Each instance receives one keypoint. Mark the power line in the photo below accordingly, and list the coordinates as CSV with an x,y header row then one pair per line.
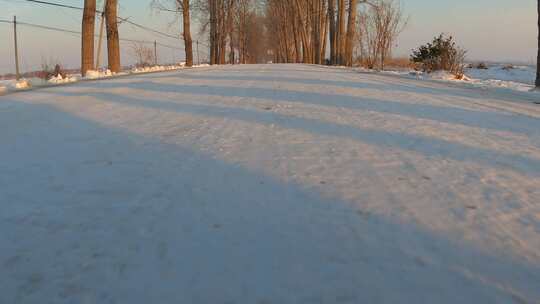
x,y
148,29
51,28
100,12
55,4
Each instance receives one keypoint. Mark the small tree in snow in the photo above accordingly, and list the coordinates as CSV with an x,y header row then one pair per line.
x,y
144,54
378,29
441,54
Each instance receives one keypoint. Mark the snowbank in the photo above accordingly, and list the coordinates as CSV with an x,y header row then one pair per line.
x,y
495,83
59,79
9,85
504,72
22,84
157,68
12,85
92,74
517,78
485,83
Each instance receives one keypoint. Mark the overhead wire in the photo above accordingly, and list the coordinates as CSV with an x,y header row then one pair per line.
x,y
57,29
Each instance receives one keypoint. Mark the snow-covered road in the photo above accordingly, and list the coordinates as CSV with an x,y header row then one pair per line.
x,y
269,184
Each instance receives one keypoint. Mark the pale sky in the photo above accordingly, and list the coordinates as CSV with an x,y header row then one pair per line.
x,y
492,30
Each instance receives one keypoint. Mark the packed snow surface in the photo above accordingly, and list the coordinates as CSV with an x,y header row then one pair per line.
x,y
269,184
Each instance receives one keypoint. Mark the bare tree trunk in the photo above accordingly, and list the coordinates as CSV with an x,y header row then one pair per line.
x,y
315,32
538,59
332,20
323,36
188,42
113,42
351,30
87,42
230,30
213,31
341,32
222,32
297,45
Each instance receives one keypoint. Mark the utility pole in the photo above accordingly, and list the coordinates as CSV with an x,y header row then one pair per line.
x,y
102,22
198,59
155,52
16,48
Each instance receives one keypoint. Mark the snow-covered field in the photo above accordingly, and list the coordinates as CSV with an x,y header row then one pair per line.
x,y
518,77
269,184
496,76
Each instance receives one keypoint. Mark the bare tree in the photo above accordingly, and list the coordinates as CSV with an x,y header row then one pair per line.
x,y
113,40
188,42
299,30
390,23
341,32
332,30
213,7
351,32
290,30
145,55
87,42
379,28
181,7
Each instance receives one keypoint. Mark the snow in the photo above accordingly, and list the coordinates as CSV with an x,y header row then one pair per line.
x,y
22,84
519,78
158,68
447,76
8,85
505,72
497,76
269,184
59,79
95,74
11,85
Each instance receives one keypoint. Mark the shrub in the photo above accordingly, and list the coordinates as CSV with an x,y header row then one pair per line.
x,y
50,70
441,54
482,66
143,54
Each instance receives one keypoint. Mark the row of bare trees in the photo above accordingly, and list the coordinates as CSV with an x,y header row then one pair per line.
x,y
183,9
235,30
252,31
113,43
305,29
378,29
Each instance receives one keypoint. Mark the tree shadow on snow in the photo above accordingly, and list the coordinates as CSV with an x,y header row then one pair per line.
x,y
427,146
380,82
479,119
94,214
